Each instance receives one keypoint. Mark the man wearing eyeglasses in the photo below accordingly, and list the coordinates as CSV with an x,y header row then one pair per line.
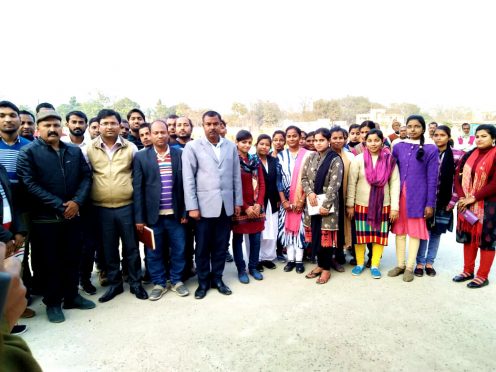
x,y
111,158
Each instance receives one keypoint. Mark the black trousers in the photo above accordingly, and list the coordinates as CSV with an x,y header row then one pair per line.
x,y
212,237
91,242
189,249
324,257
57,248
115,224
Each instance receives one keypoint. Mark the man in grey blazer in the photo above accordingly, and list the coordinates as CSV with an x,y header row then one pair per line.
x,y
212,194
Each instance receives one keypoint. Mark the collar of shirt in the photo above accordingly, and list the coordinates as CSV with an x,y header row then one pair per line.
x,y
167,152
118,143
15,142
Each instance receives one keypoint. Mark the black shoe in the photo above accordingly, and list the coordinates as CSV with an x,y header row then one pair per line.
x,y
87,287
300,269
55,314
477,283
139,292
289,266
229,257
79,302
430,271
419,271
268,264
111,293
337,266
260,266
221,287
201,292
353,262
463,278
19,329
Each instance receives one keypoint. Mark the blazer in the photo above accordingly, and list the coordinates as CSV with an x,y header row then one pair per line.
x,y
148,186
210,183
17,225
270,178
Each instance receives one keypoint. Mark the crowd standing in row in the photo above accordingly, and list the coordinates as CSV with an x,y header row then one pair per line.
x,y
70,201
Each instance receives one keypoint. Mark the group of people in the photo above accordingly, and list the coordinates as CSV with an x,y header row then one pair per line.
x,y
73,201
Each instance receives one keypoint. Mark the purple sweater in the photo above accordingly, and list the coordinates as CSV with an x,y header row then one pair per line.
x,y
420,176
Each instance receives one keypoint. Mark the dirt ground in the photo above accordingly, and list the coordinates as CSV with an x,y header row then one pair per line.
x,y
285,322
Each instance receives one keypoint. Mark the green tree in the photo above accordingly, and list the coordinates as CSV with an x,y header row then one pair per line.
x,y
325,109
160,111
351,106
65,108
124,105
93,106
405,109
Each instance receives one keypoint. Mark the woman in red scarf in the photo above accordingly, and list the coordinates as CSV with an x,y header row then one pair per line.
x,y
373,199
475,184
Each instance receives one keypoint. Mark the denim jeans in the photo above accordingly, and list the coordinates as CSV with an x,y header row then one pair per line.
x,y
428,249
176,239
254,251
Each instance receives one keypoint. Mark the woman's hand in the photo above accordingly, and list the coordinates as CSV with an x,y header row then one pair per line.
x,y
350,212
312,198
463,203
323,211
250,212
287,206
393,216
428,212
256,210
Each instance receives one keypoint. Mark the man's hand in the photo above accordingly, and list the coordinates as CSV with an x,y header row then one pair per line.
x,y
195,214
19,240
15,303
71,209
237,210
184,221
140,227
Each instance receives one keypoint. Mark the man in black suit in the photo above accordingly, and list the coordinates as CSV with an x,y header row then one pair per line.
x,y
159,203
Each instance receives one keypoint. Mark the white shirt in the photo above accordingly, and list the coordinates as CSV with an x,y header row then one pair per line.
x,y
83,145
118,144
216,147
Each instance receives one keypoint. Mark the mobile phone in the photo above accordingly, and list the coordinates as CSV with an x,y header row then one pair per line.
x,y
4,289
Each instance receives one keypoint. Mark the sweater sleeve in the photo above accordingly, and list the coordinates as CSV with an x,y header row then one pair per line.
x,y
352,181
335,180
305,181
432,177
394,189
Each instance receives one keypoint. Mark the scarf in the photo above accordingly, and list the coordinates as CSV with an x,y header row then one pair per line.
x,y
251,167
293,219
472,184
377,178
318,188
446,173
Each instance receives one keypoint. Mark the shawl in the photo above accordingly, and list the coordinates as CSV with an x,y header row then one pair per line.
x,y
293,219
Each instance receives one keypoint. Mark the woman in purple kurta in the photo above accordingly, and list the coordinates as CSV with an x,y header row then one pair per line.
x,y
419,167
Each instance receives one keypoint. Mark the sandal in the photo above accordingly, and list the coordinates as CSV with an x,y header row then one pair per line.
x,y
314,273
324,277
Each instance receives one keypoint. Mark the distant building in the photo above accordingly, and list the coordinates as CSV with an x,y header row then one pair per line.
x,y
382,117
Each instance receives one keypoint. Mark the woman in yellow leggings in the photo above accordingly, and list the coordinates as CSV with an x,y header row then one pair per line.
x,y
373,199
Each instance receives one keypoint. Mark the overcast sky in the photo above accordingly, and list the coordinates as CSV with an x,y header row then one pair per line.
x,y
211,53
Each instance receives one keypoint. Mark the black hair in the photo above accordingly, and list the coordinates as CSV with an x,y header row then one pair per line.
x,y
338,129
243,135
420,119
26,112
466,124
310,134
211,114
433,122
93,120
10,105
105,113
294,127
306,134
222,122
172,116
44,105
281,132
377,132
324,132
367,123
135,110
80,114
447,130
489,128
353,126
262,137
189,120
144,125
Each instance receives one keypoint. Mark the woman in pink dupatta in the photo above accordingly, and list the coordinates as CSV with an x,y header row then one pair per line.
x,y
291,231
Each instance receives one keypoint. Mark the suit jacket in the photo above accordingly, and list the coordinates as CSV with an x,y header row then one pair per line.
x,y
210,183
148,186
270,178
17,225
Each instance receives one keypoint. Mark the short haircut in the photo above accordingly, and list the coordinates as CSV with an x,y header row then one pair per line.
x,y
243,135
189,120
26,112
465,124
79,114
211,114
160,121
262,137
10,105
433,122
105,113
223,122
44,105
354,126
281,132
144,125
135,110
93,120
172,116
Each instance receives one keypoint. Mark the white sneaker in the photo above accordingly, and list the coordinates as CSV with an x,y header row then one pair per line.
x,y
157,292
